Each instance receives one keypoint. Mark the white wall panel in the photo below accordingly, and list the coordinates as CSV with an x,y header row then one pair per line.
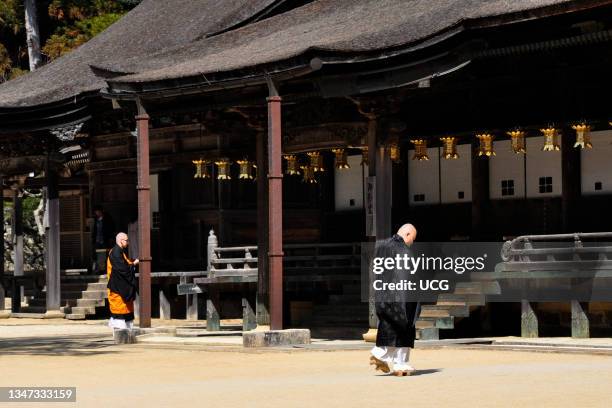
x,y
349,185
456,176
542,164
506,165
424,178
596,164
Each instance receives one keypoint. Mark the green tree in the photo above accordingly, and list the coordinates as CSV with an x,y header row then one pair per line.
x,y
63,26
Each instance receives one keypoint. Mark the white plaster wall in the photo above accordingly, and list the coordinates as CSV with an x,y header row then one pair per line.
x,y
542,164
349,185
456,176
596,164
506,165
424,177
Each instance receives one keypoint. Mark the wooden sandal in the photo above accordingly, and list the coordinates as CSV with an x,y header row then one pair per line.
x,y
379,364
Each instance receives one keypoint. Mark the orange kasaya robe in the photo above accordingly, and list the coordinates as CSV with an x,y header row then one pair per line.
x,y
121,284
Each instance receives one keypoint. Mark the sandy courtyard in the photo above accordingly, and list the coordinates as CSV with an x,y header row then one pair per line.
x,y
136,376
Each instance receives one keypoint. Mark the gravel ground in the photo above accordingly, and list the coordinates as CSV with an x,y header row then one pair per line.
x,y
141,376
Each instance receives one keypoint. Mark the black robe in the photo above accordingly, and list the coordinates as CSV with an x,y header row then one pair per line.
x,y
123,277
396,315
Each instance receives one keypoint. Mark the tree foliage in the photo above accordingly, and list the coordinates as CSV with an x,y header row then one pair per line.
x,y
64,25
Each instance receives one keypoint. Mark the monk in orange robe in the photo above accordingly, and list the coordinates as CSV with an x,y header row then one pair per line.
x,y
122,284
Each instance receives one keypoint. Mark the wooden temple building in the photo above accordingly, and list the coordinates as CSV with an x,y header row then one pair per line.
x,y
296,124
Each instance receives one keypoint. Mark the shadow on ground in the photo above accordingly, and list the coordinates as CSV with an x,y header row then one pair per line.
x,y
86,345
417,372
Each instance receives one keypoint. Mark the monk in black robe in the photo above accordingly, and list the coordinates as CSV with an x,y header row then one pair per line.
x,y
396,313
122,284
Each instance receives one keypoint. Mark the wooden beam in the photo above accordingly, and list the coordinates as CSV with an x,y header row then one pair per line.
x,y
275,211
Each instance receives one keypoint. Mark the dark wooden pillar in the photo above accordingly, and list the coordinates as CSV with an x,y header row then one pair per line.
x,y
263,281
384,182
327,196
378,210
275,211
399,190
480,196
370,205
144,219
571,183
52,244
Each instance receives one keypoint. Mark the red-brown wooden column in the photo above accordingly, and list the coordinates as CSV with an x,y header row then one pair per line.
x,y
144,220
275,211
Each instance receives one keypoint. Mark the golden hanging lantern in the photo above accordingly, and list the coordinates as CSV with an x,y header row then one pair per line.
x,y
485,147
223,169
316,161
309,175
551,139
395,152
365,158
341,159
246,169
201,169
583,136
420,149
449,147
293,168
518,141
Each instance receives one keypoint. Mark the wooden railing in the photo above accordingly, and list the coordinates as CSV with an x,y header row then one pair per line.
x,y
571,247
313,261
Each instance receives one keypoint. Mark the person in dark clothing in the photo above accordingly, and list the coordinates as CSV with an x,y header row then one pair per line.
x,y
122,284
103,231
396,314
102,236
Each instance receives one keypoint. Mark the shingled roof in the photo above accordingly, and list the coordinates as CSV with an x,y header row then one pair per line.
x,y
152,26
345,27
166,40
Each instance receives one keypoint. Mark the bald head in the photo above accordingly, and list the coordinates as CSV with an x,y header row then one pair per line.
x,y
122,239
408,233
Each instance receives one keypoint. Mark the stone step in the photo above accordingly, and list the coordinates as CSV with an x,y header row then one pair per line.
x,y
457,303
444,311
94,294
84,310
435,322
430,333
97,286
90,302
26,315
470,300
428,311
76,316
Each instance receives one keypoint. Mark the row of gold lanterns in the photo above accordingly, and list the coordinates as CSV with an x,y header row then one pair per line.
x,y
247,169
517,137
313,164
